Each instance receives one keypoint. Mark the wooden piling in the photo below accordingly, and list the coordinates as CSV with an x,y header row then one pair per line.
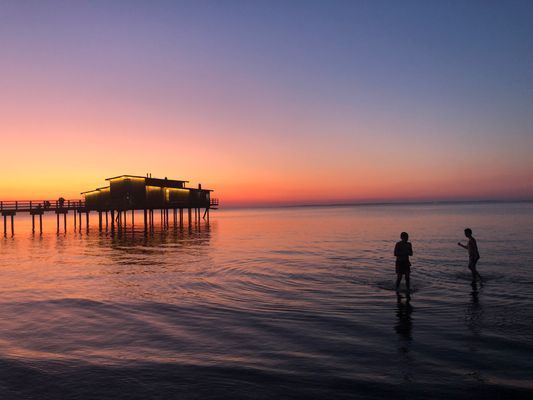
x,y
145,212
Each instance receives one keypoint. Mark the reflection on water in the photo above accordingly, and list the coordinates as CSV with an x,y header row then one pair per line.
x,y
474,315
404,324
279,303
404,327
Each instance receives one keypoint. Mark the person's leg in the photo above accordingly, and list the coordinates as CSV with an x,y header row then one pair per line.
x,y
408,282
398,280
472,268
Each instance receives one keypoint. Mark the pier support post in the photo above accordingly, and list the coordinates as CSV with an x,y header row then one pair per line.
x,y
74,220
33,223
132,218
65,221
41,224
145,212
106,221
12,224
190,216
112,220
100,221
181,216
57,217
87,220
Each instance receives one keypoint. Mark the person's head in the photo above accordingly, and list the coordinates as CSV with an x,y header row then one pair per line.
x,y
468,232
404,236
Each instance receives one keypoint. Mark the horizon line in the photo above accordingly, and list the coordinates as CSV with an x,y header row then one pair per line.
x,y
378,203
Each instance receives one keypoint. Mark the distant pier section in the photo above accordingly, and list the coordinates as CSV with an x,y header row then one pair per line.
x,y
116,204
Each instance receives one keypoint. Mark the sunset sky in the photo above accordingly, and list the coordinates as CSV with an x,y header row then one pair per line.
x,y
269,102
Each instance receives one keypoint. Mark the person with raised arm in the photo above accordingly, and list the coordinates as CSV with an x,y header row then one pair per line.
x,y
473,253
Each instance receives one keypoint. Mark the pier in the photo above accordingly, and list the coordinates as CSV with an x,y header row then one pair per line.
x,y
116,204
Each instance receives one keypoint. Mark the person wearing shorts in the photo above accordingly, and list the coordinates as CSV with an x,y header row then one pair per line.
x,y
402,251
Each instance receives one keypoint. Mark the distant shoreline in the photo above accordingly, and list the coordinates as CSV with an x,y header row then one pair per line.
x,y
366,204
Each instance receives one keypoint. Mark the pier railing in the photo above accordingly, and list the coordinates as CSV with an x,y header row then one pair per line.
x,y
45,205
53,205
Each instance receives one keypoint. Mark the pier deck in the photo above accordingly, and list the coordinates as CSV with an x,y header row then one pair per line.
x,y
116,216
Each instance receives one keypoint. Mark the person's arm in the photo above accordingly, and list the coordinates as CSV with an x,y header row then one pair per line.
x,y
462,245
410,249
396,250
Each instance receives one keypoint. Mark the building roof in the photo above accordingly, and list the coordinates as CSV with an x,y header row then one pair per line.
x,y
95,190
198,189
145,177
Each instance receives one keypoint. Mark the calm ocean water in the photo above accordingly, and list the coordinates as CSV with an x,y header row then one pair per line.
x,y
271,304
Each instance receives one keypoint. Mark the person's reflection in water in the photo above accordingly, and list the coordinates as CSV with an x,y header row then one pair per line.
x,y
404,324
474,314
403,328
475,294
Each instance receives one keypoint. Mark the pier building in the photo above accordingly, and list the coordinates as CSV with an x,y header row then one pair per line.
x,y
124,195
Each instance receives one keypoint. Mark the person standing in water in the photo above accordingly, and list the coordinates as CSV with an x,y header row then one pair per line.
x,y
402,251
473,253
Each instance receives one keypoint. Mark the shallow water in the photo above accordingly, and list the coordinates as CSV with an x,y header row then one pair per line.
x,y
271,303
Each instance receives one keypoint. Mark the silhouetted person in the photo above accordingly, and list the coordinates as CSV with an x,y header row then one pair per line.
x,y
473,253
402,251
61,202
